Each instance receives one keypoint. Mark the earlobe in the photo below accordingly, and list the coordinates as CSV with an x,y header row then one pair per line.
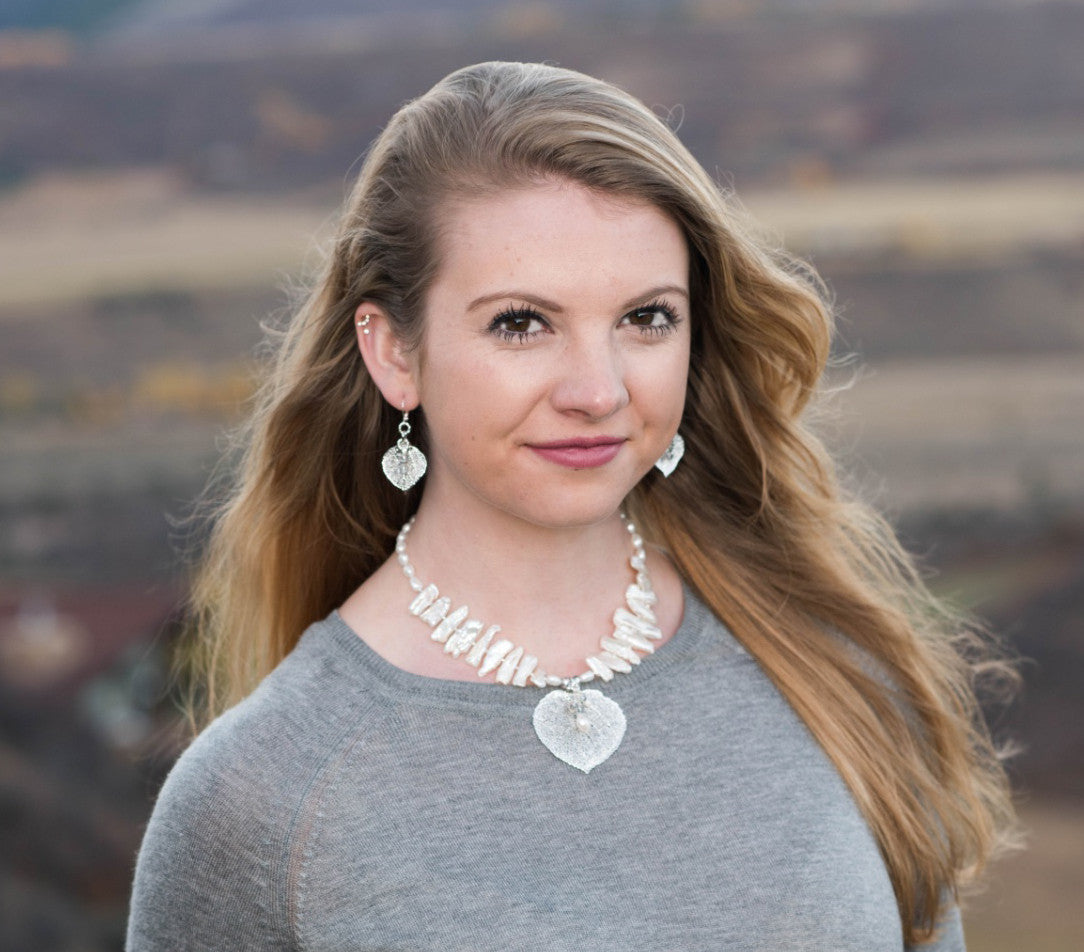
x,y
386,358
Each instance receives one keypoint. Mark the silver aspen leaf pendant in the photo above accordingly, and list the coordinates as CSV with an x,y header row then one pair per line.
x,y
582,728
667,463
404,464
404,467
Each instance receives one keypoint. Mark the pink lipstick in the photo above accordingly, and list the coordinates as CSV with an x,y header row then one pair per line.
x,y
582,453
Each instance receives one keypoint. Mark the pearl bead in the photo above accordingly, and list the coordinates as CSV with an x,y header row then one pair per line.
x,y
596,669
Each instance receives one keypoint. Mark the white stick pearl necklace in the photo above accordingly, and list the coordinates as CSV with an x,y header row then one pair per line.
x,y
582,728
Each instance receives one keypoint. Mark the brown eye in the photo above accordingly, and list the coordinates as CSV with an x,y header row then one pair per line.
x,y
644,317
654,318
518,323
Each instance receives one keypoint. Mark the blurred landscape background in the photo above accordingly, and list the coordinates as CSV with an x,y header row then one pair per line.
x,y
168,171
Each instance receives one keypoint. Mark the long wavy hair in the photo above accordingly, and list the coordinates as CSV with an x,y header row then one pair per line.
x,y
811,581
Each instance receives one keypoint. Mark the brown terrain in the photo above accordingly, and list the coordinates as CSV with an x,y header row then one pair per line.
x,y
167,184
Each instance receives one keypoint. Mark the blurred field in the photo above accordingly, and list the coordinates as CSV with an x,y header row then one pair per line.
x,y
1000,432
1031,902
939,218
69,236
66,237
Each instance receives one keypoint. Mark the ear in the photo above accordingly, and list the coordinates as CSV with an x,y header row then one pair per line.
x,y
392,367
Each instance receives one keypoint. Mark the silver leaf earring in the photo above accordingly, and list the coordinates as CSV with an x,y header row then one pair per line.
x,y
667,463
404,464
364,323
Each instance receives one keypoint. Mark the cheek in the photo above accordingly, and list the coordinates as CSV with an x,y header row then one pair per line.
x,y
478,375
662,385
473,401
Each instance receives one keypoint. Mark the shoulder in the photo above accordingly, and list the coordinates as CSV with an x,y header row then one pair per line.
x,y
214,866
278,734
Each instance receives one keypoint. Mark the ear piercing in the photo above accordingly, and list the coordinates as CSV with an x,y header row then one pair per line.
x,y
364,323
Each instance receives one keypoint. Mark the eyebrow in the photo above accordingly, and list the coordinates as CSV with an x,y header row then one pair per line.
x,y
554,307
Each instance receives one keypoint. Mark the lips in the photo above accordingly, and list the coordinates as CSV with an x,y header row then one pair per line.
x,y
581,453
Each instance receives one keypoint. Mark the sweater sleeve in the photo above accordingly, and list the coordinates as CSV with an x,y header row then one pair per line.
x,y
207,874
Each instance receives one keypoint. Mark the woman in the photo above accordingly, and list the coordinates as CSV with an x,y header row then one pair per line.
x,y
541,339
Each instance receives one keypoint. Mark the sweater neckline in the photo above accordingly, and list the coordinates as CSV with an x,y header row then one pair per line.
x,y
395,682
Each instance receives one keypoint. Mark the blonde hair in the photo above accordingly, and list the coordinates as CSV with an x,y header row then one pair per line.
x,y
813,583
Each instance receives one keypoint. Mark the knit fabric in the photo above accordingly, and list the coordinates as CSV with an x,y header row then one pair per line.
x,y
349,805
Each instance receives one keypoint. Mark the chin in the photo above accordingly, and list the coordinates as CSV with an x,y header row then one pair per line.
x,y
571,510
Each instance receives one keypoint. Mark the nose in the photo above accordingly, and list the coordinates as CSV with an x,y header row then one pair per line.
x,y
590,379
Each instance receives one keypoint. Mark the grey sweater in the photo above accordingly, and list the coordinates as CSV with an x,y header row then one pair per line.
x,y
347,804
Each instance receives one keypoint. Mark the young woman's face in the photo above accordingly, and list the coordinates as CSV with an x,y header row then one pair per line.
x,y
556,352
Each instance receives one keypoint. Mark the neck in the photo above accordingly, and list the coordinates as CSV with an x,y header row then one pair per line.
x,y
552,589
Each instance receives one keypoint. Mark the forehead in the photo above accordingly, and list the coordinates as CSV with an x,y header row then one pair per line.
x,y
561,237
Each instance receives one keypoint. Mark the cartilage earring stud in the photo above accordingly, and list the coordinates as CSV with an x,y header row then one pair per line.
x,y
667,463
404,464
364,323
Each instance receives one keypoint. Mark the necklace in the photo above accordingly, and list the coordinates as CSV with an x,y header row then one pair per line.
x,y
580,727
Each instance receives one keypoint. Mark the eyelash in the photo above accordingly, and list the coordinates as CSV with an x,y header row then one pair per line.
x,y
521,312
672,319
513,313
